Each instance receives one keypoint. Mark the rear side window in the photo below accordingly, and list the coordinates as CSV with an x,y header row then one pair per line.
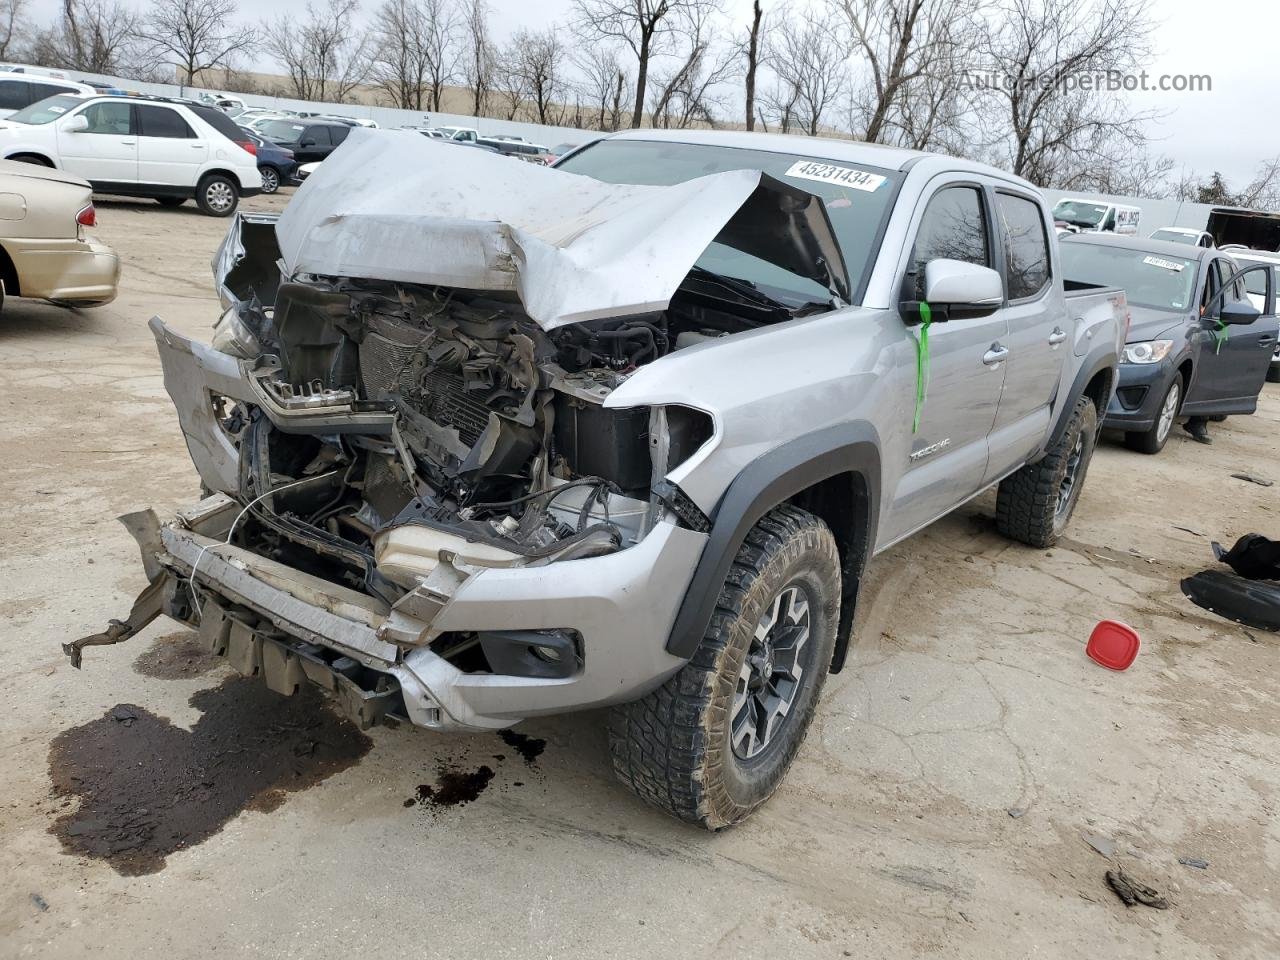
x,y
218,120
1026,246
15,94
954,227
41,90
339,133
319,135
162,122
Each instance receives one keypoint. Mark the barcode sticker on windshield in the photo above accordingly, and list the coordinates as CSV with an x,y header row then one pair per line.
x,y
829,173
1162,262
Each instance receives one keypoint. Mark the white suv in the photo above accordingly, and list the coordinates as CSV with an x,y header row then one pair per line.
x,y
18,90
138,146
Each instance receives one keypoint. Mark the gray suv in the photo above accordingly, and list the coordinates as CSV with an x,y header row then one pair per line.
x,y
497,441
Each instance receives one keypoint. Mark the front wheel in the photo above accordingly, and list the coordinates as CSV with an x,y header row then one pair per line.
x,y
1034,504
713,743
1153,439
270,179
217,195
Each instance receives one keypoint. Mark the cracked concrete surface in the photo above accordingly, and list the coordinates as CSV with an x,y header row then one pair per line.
x,y
967,695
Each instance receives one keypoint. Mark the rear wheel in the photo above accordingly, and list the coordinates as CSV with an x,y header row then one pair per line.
x,y
713,743
217,195
1034,505
1154,439
270,179
171,201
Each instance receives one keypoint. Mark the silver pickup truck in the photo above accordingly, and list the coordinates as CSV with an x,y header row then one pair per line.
x,y
482,441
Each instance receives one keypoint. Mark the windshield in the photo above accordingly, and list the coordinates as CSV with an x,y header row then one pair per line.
x,y
1148,279
1080,214
281,129
1175,236
856,212
46,110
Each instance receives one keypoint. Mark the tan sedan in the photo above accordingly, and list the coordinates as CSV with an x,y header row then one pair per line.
x,y
44,250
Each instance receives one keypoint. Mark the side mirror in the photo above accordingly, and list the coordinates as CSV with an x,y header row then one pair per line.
x,y
77,124
955,288
1239,312
307,143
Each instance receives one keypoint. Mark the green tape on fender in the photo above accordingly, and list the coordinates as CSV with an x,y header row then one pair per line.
x,y
922,362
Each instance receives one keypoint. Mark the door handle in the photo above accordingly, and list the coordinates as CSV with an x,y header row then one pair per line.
x,y
127,143
995,355
1266,341
1057,336
197,146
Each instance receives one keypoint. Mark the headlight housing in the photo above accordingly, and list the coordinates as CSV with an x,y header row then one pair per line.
x,y
1149,351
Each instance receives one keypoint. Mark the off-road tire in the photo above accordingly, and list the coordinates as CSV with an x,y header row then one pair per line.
x,y
672,747
171,201
1028,508
211,193
1150,441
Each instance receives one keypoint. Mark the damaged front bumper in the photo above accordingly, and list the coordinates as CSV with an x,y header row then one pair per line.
x,y
289,627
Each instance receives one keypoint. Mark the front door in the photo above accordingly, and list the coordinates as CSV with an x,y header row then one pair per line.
x,y
107,151
1234,358
169,152
966,369
314,144
1035,313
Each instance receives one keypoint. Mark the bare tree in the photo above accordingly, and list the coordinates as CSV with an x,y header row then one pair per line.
x,y
753,62
325,56
399,64
13,25
509,89
643,26
194,35
95,36
1038,54
806,60
601,83
1263,191
538,59
685,92
479,56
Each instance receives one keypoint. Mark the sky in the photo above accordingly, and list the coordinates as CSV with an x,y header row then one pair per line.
x,y
1232,41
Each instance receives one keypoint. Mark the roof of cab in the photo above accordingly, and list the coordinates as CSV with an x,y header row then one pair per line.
x,y
1166,248
825,148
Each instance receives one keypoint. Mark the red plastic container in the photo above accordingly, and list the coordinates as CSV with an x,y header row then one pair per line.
x,y
1113,644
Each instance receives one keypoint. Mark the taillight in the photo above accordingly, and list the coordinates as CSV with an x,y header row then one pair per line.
x,y
249,145
87,217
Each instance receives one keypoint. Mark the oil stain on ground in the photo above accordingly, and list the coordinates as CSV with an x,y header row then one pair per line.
x,y
178,656
147,788
456,786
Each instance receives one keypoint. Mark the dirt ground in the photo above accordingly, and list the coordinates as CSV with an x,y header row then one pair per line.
x,y
938,807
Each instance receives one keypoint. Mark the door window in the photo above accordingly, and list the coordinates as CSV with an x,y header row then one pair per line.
x,y
41,90
339,134
14,95
954,227
162,122
111,117
1026,246
319,135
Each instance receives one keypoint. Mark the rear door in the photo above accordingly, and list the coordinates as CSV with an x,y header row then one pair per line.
x,y
107,151
1035,314
948,458
169,152
314,144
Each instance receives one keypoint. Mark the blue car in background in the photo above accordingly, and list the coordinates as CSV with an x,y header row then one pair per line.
x,y
276,164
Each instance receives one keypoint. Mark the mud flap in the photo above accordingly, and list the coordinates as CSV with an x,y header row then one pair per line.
x,y
146,608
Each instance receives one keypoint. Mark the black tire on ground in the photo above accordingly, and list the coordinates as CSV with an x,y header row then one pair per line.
x,y
1273,373
217,195
1153,440
270,179
171,201
690,747
1034,505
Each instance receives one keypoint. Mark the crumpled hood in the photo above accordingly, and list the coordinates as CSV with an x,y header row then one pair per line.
x,y
391,205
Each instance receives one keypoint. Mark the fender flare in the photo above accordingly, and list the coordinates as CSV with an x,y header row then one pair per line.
x,y
763,484
1101,359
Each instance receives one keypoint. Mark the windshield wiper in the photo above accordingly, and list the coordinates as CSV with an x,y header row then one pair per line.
x,y
749,291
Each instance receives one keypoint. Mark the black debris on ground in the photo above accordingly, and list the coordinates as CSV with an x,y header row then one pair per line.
x,y
1253,556
177,656
453,787
1198,863
530,748
148,788
41,903
1133,891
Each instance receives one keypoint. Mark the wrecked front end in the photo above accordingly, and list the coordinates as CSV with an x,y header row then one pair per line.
x,y
418,495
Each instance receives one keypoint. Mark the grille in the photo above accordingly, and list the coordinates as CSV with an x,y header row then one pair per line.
x,y
449,403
